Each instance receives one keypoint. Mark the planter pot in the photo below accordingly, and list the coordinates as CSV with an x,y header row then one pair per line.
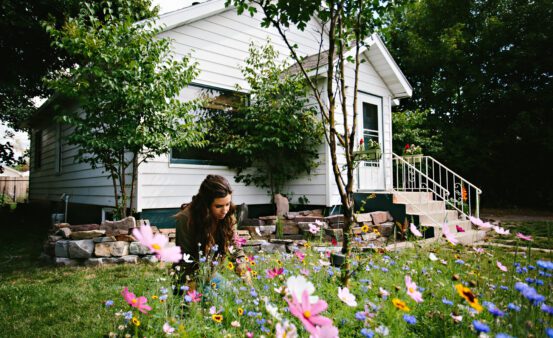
x,y
337,259
411,159
367,155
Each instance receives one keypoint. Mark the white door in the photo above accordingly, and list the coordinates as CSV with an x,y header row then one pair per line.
x,y
370,174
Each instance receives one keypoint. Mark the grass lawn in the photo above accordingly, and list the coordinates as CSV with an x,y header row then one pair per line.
x,y
43,301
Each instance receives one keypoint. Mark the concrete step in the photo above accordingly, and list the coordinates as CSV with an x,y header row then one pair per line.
x,y
443,216
425,207
408,197
451,225
470,237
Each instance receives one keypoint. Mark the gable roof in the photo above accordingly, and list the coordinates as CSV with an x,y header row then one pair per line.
x,y
379,57
191,13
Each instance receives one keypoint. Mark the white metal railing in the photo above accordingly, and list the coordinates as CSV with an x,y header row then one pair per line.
x,y
424,173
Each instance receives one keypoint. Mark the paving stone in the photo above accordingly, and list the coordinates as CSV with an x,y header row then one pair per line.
x,y
66,261
81,249
62,249
135,248
89,234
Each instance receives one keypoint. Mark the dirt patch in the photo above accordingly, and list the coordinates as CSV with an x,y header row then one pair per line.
x,y
517,215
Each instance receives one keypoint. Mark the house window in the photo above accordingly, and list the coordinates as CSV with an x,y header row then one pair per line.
x,y
213,100
370,122
38,149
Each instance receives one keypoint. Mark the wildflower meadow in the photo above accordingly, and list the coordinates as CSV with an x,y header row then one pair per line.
x,y
438,290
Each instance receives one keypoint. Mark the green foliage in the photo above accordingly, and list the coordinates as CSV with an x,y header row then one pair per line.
x,y
125,83
274,136
484,70
411,127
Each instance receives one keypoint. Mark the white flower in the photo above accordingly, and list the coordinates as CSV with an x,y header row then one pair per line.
x,y
324,262
346,297
456,319
383,292
500,230
432,257
382,330
296,285
286,330
235,323
414,230
186,258
168,328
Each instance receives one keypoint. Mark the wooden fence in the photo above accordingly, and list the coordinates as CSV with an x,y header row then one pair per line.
x,y
16,188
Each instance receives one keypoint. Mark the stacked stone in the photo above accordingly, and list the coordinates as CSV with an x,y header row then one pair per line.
x,y
94,244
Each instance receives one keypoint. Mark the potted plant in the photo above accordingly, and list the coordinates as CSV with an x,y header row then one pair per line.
x,y
337,259
412,153
367,152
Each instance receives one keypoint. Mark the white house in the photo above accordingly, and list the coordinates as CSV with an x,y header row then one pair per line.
x,y
218,39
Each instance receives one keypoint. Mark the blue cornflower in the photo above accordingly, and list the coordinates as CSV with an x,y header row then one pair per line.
x,y
503,287
361,315
520,286
243,288
531,267
264,329
405,268
253,293
503,335
392,262
367,268
529,280
127,315
547,265
108,303
184,287
215,248
495,311
215,263
163,290
513,307
265,287
317,268
368,281
252,313
163,297
539,282
367,333
446,301
547,309
187,298
260,321
410,319
480,327
532,295
384,269
330,272
549,332
460,261
238,301
202,259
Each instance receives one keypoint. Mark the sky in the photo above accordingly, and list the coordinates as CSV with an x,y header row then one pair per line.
x,y
171,5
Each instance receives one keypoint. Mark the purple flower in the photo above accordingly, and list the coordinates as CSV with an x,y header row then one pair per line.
x,y
410,319
361,315
446,301
480,327
367,333
549,332
108,303
460,261
503,287
547,265
513,307
547,309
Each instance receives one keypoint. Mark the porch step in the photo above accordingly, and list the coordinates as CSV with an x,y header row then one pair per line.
x,y
408,197
451,225
425,207
435,217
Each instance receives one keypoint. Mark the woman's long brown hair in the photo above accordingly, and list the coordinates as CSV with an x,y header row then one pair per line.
x,y
201,222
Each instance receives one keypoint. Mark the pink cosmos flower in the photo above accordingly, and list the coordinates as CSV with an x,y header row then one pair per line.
x,y
300,255
313,228
449,235
328,331
308,313
524,237
239,241
412,289
157,244
347,297
501,231
168,328
479,223
286,330
479,250
459,229
305,272
194,295
415,231
272,273
132,300
501,266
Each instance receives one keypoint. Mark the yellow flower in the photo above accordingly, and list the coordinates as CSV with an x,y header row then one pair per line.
x,y
240,311
468,296
254,273
279,262
398,303
376,232
247,259
365,228
230,266
307,245
214,285
252,263
154,297
135,321
217,318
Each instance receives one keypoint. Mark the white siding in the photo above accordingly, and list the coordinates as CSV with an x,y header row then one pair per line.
x,y
83,184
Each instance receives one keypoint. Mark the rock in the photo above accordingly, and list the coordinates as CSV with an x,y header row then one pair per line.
x,y
293,237
379,217
356,230
309,219
359,218
61,225
135,248
371,236
335,221
254,232
46,259
143,222
282,205
251,222
290,230
123,226
243,234
66,261
119,248
386,229
102,249
268,218
291,214
267,229
150,259
76,235
84,227
254,242
93,262
168,232
335,233
63,232
53,238
273,247
104,239
133,259
125,238
81,249
62,249
281,241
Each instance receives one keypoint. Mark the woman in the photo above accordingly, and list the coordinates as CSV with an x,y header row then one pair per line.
x,y
206,227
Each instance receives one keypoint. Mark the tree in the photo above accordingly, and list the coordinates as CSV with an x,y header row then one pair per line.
x,y
411,127
347,24
273,136
485,71
28,54
125,83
